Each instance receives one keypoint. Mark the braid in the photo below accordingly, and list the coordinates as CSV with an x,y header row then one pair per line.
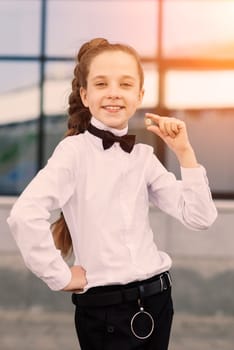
x,y
61,236
79,115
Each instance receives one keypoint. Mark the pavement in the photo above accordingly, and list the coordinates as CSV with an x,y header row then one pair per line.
x,y
34,318
36,330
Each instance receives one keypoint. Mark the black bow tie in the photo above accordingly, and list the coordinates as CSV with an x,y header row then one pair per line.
x,y
108,138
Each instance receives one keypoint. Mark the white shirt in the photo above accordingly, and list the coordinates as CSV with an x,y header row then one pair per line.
x,y
104,195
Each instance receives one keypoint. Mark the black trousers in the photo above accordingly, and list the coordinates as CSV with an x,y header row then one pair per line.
x,y
109,327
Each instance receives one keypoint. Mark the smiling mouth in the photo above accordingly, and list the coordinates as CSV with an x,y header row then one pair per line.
x,y
113,108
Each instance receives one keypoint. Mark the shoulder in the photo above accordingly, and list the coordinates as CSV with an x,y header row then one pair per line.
x,y
70,145
71,142
143,155
68,150
143,150
146,156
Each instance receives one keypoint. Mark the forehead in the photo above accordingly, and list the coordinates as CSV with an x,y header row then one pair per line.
x,y
114,63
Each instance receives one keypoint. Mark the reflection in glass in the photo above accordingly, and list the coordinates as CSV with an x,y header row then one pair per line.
x,y
198,28
70,23
56,91
211,134
57,87
20,27
18,156
199,89
19,92
150,99
19,110
16,75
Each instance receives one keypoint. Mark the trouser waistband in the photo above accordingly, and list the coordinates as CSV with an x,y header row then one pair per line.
x,y
100,296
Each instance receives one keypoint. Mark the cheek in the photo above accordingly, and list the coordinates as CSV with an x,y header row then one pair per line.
x,y
136,100
91,100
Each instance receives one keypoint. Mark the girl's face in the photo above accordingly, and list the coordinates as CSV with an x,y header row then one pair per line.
x,y
113,90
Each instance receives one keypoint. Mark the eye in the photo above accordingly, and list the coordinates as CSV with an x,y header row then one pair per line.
x,y
126,85
100,84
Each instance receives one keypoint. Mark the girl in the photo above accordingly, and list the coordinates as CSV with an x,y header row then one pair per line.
x,y
103,184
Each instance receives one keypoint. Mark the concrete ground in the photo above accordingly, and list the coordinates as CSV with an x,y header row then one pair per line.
x,y
34,318
36,330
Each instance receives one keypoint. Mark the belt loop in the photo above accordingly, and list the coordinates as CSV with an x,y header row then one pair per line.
x,y
169,278
161,282
141,290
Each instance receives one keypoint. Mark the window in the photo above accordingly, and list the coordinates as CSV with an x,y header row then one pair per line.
x,y
187,53
19,112
58,77
193,28
20,27
211,134
199,89
70,23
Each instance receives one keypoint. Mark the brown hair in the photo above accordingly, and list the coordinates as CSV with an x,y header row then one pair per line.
x,y
79,115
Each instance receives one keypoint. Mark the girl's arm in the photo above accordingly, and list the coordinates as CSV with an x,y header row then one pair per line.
x,y
188,200
29,219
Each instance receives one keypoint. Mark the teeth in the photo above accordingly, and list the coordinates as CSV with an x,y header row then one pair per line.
x,y
113,108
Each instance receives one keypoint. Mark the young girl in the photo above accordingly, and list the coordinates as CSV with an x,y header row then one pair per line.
x,y
103,184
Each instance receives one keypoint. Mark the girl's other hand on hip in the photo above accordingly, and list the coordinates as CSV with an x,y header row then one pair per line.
x,y
78,280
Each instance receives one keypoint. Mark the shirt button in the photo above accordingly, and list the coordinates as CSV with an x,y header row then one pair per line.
x,y
110,329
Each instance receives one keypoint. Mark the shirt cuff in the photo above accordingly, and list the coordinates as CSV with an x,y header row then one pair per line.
x,y
194,175
59,282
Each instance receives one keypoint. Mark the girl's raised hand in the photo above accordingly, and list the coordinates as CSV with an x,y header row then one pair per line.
x,y
78,280
171,130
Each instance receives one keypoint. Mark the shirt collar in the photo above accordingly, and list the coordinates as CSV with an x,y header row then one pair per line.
x,y
102,126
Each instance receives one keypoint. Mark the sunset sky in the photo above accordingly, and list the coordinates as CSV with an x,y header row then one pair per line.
x,y
191,28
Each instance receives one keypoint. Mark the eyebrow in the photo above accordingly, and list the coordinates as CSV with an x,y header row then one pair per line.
x,y
104,77
128,77
99,77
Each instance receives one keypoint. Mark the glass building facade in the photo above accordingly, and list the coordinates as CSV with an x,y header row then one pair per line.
x,y
187,51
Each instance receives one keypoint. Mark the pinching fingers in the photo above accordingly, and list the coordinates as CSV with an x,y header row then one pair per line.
x,y
151,119
163,126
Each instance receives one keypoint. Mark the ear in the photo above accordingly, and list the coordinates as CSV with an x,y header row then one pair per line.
x,y
140,98
83,95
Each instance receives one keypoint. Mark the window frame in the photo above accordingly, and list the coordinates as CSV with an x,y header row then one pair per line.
x,y
162,64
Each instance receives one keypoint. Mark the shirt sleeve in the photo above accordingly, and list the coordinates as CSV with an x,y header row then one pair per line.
x,y
29,218
189,200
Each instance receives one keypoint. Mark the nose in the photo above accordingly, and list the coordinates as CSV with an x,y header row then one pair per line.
x,y
113,97
113,93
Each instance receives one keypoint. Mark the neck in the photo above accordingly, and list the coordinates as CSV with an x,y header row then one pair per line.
x,y
98,124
